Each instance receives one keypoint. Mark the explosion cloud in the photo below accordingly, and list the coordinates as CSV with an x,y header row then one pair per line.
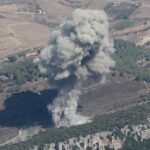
x,y
80,48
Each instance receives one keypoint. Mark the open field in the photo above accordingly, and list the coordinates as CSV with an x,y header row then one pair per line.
x,y
8,8
28,24
65,7
17,36
111,96
7,133
143,11
31,34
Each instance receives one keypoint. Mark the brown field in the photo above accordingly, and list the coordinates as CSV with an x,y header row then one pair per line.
x,y
8,8
20,29
58,10
17,36
31,34
111,96
142,12
18,32
7,134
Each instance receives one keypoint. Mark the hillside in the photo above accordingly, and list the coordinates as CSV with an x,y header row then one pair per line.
x,y
25,27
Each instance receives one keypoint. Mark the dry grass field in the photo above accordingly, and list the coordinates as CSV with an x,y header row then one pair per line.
x,y
58,10
17,36
26,24
142,12
115,95
8,8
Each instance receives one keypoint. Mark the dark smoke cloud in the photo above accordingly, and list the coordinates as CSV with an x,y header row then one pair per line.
x,y
79,49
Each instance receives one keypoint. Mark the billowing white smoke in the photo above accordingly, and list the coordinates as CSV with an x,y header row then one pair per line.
x,y
78,49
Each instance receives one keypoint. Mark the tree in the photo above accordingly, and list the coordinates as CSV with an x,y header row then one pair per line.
x,y
89,148
75,147
12,58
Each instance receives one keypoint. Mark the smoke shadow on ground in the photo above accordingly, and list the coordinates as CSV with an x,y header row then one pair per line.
x,y
28,108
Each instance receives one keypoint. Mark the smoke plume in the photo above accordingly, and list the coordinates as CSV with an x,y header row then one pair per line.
x,y
79,49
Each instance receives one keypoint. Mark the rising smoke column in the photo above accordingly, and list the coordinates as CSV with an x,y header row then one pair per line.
x,y
79,49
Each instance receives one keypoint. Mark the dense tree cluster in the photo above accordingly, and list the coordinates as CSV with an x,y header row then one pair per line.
x,y
126,58
124,24
20,73
122,10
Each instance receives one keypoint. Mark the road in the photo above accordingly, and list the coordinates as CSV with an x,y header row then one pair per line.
x,y
13,139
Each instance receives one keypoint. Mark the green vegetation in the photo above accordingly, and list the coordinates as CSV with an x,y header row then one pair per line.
x,y
126,56
131,144
126,23
89,148
12,58
73,4
108,122
19,73
122,10
75,147
48,23
125,14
